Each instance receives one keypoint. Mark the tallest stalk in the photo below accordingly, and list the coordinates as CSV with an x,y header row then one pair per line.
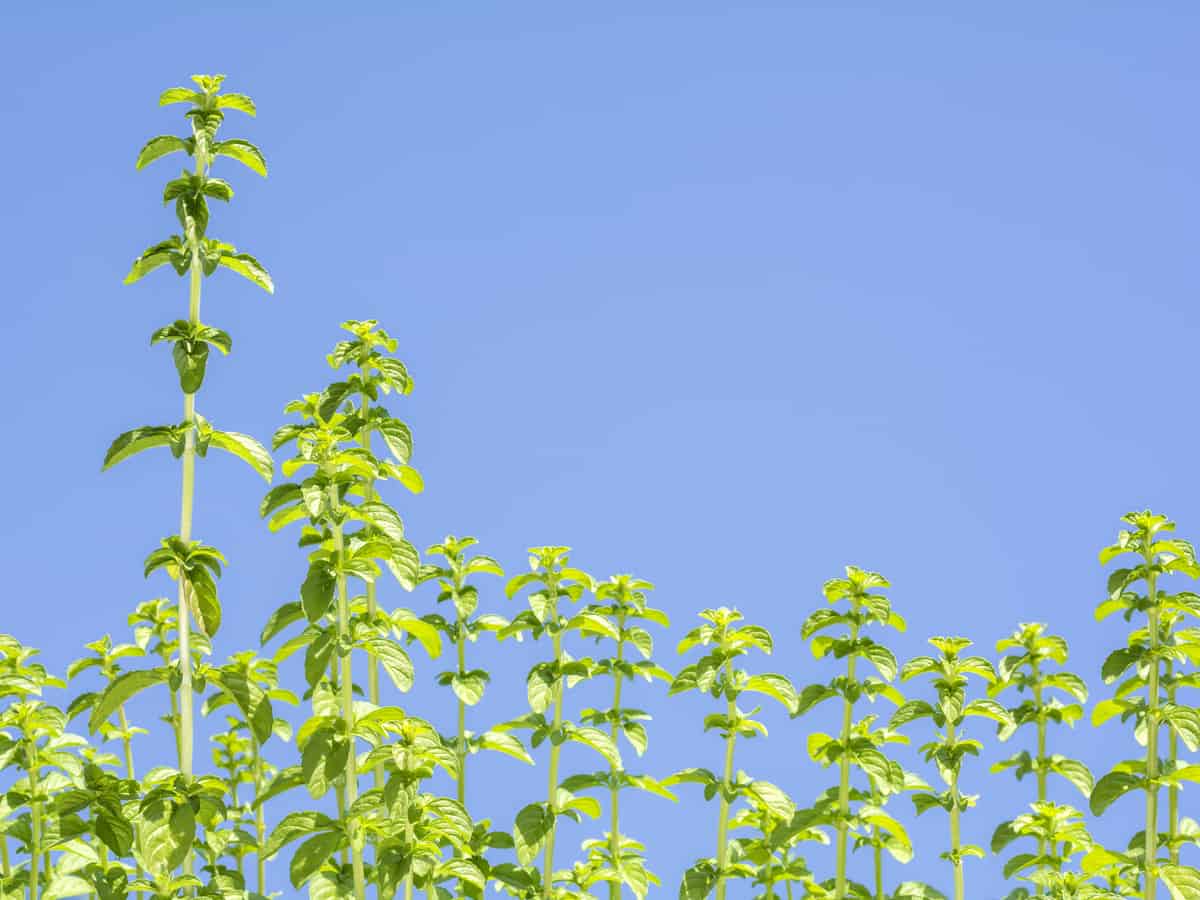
x,y
186,714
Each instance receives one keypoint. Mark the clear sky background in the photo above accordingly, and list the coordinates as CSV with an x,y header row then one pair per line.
x,y
724,295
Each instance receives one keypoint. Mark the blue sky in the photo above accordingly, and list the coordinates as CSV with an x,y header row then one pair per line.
x,y
725,295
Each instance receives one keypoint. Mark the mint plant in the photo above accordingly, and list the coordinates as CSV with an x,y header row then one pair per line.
x,y
715,674
195,254
949,749
1146,695
550,581
1028,668
856,747
621,600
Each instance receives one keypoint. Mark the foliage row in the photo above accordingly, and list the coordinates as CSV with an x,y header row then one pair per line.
x,y
366,815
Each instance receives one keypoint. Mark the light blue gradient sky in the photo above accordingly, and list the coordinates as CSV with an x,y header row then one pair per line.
x,y
726,295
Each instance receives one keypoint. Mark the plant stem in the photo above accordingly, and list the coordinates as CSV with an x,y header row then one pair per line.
x,y
726,785
364,438
5,863
1173,789
614,837
843,823
260,822
35,821
552,801
461,745
1150,863
955,812
876,834
1041,753
347,679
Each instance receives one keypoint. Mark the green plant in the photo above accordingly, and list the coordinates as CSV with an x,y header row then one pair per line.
x,y
621,601
857,746
715,674
1148,694
552,580
195,254
1026,668
948,750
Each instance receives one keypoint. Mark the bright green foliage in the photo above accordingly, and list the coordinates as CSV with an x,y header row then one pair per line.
x,y
1147,665
1027,667
550,581
715,674
853,810
947,751
338,493
1060,834
621,601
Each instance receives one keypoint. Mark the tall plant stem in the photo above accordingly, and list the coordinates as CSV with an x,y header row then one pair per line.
x,y
130,772
187,496
461,745
1150,863
5,863
1041,754
875,836
347,686
364,438
955,833
843,823
726,786
260,822
614,836
552,801
1173,789
35,822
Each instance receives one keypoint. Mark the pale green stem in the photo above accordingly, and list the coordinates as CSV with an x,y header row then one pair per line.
x,y
5,862
130,772
1173,789
1150,863
548,875
260,821
876,844
364,438
726,786
614,837
955,833
1041,753
461,745
35,822
411,795
843,821
347,679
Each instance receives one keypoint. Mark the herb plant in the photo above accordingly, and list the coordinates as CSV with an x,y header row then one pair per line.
x,y
388,794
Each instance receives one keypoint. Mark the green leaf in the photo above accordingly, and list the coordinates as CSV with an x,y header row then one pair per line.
x,y
249,268
777,687
293,826
246,449
242,151
137,440
1182,881
1112,786
313,854
698,881
158,147
121,690
316,593
502,742
394,660
598,741
532,825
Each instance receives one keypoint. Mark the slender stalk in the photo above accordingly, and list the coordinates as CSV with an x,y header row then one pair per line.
x,y
614,837
175,728
955,833
260,822
548,875
726,786
878,866
347,679
1041,753
461,745
127,743
411,793
5,863
1173,789
843,824
1150,863
364,438
35,822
